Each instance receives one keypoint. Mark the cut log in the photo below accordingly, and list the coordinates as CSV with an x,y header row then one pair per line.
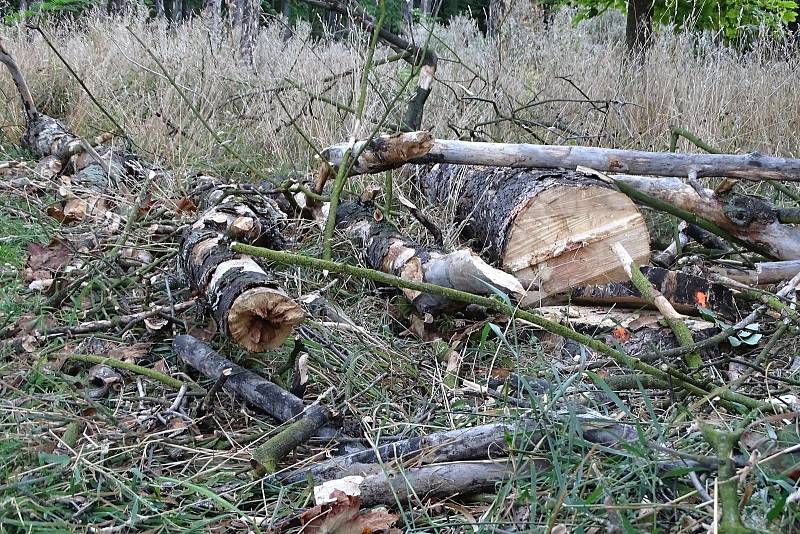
x,y
387,250
258,391
245,300
750,218
753,166
685,292
551,229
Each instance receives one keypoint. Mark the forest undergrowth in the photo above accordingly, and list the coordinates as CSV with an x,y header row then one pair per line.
x,y
109,452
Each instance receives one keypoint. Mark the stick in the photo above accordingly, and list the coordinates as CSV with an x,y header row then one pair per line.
x,y
752,166
127,366
654,297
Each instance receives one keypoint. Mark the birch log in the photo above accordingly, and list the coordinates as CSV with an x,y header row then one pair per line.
x,y
752,166
388,250
245,300
551,229
747,217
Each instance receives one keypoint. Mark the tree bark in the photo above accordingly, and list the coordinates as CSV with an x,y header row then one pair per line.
x,y
260,392
250,17
388,250
769,272
685,292
247,304
753,166
497,11
639,25
749,218
159,5
477,443
551,229
213,12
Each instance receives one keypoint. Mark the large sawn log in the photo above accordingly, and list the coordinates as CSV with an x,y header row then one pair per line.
x,y
551,229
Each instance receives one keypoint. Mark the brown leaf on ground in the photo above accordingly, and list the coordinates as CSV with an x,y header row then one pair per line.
x,y
205,332
130,353
44,262
185,205
346,517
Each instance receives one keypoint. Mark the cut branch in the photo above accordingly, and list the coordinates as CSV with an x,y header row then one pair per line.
x,y
752,166
389,251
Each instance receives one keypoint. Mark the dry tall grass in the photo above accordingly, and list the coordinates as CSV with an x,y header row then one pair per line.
x,y
532,83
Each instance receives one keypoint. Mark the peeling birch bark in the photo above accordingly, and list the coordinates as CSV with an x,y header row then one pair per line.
x,y
768,272
247,303
551,229
752,166
387,250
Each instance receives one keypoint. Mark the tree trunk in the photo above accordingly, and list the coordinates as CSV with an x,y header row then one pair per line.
x,y
159,4
497,11
177,10
213,12
753,166
250,17
389,251
247,304
551,229
639,25
425,7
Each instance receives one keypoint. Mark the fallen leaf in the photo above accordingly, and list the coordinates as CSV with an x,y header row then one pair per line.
x,y
130,353
185,205
620,334
345,517
44,262
205,332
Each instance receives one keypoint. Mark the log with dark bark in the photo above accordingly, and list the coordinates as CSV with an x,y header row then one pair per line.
x,y
388,250
551,229
247,303
247,385
753,166
685,292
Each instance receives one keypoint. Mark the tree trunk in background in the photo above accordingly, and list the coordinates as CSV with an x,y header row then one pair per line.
x,y
177,10
160,9
639,27
497,11
406,6
213,12
425,6
235,8
250,17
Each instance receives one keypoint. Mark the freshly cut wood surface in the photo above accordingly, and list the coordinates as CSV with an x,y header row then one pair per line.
x,y
551,229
